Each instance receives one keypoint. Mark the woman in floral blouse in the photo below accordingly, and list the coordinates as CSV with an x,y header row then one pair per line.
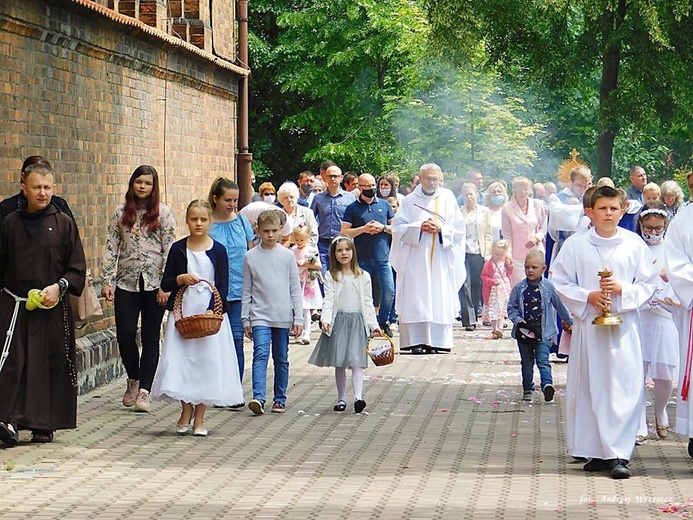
x,y
139,235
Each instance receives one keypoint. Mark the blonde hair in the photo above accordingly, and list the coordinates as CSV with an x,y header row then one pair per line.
x,y
301,229
672,188
605,181
522,180
490,188
503,245
199,204
581,171
652,187
272,217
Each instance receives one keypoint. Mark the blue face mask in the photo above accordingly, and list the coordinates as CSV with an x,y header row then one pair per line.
x,y
498,200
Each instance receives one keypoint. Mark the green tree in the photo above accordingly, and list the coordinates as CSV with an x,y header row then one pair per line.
x,y
352,62
630,54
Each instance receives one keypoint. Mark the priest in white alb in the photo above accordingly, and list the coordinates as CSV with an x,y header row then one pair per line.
x,y
679,252
428,235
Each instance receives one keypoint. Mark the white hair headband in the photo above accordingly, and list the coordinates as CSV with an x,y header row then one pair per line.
x,y
341,237
654,211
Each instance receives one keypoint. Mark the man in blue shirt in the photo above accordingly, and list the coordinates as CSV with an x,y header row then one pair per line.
x,y
638,179
329,207
367,221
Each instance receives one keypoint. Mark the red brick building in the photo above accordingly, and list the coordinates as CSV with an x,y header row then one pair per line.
x,y
99,88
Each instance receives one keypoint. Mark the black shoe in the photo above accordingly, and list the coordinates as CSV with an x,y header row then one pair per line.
x,y
417,351
470,328
690,448
619,469
340,406
237,406
596,465
548,391
386,330
359,405
579,459
9,433
486,323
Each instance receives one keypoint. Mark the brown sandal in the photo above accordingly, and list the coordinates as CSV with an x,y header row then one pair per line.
x,y
497,334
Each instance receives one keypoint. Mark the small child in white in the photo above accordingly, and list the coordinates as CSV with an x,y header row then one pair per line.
x,y
309,266
348,318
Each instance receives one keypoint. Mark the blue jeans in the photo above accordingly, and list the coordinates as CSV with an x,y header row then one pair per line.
x,y
528,356
383,272
393,314
233,309
263,337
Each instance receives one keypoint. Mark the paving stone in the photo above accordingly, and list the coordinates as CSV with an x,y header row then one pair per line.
x,y
445,437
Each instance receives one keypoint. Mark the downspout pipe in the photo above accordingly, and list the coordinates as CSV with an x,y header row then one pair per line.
x,y
244,158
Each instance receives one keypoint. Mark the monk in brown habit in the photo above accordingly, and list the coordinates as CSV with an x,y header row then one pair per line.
x,y
40,250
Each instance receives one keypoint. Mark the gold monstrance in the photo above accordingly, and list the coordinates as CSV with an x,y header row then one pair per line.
x,y
607,317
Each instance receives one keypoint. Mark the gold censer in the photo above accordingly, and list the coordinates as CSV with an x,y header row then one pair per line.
x,y
607,318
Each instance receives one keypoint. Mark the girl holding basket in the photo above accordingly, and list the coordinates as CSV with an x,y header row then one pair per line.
x,y
348,318
201,371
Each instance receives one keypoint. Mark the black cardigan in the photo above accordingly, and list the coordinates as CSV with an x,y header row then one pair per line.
x,y
177,263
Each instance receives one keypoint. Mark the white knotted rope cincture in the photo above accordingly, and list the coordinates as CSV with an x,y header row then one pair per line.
x,y
10,331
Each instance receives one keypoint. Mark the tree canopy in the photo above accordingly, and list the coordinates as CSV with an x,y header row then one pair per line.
x,y
510,86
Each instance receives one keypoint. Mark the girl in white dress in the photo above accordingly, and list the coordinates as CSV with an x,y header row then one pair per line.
x,y
202,371
658,332
309,266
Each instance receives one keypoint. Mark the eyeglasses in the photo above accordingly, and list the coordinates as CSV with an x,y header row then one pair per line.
x,y
650,229
334,176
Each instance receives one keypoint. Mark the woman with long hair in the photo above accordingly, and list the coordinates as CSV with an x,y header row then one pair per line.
x,y
139,234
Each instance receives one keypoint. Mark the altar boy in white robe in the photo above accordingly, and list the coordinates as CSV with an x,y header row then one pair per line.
x,y
605,391
428,235
679,251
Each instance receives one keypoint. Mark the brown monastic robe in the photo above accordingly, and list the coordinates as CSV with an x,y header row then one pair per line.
x,y
38,382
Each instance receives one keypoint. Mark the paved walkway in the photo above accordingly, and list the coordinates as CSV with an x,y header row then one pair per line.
x,y
445,436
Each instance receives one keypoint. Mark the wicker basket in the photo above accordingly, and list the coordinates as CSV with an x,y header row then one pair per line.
x,y
198,325
383,354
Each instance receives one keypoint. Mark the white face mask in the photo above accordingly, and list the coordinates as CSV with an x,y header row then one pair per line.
x,y
269,199
652,240
385,192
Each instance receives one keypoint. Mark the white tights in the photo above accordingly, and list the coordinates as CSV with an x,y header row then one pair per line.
x,y
307,323
662,392
356,382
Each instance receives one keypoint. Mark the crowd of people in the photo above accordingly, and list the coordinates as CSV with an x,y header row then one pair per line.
x,y
362,256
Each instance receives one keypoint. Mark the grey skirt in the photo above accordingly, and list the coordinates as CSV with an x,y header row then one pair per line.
x,y
346,346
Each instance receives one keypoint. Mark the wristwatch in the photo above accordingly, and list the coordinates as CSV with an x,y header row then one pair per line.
x,y
63,285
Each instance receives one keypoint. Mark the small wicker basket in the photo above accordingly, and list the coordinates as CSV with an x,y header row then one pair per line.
x,y
198,325
382,354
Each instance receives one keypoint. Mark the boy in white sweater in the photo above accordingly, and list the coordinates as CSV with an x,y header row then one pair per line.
x,y
271,305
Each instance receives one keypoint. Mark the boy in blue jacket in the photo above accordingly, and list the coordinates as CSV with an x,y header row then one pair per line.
x,y
532,309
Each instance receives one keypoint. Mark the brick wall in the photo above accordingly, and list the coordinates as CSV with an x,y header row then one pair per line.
x,y
98,98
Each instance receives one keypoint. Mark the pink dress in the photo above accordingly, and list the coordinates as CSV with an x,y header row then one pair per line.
x,y
312,297
495,288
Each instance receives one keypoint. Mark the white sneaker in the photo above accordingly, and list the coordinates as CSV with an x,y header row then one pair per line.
x,y
143,404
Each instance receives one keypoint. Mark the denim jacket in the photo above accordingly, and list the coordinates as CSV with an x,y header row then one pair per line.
x,y
549,302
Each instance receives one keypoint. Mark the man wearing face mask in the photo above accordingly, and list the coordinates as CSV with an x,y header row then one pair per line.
x,y
367,221
428,250
305,188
